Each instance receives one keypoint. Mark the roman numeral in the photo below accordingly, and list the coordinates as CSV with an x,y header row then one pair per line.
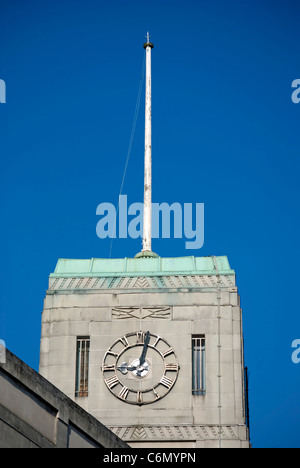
x,y
112,353
139,398
167,352
171,367
124,341
140,337
166,382
112,381
156,341
108,367
124,393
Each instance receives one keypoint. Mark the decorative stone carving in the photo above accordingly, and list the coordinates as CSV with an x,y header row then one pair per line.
x,y
180,432
143,282
122,313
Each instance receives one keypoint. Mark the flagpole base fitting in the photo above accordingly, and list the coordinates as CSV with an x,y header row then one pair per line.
x,y
146,254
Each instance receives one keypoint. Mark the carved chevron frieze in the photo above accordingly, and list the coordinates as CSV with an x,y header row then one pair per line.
x,y
121,313
141,282
178,432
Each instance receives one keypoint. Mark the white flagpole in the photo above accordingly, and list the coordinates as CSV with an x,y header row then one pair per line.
x,y
148,153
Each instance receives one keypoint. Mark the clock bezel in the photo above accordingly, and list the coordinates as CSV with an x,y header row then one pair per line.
x,y
112,381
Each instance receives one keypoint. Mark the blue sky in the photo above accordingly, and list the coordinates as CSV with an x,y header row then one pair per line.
x,y
225,133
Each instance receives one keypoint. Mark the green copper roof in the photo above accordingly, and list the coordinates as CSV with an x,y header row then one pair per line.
x,y
146,266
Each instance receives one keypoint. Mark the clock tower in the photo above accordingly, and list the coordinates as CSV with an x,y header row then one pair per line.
x,y
150,346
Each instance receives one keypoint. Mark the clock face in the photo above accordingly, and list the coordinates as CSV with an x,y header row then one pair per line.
x,y
140,368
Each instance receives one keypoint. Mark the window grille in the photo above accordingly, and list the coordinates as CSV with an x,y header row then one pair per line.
x,y
82,366
198,365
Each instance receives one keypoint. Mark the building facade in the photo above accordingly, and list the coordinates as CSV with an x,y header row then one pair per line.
x,y
152,347
35,414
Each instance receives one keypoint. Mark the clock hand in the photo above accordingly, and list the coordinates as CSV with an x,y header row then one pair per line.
x,y
145,348
124,368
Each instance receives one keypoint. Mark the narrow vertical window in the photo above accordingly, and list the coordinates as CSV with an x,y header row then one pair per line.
x,y
82,366
198,365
